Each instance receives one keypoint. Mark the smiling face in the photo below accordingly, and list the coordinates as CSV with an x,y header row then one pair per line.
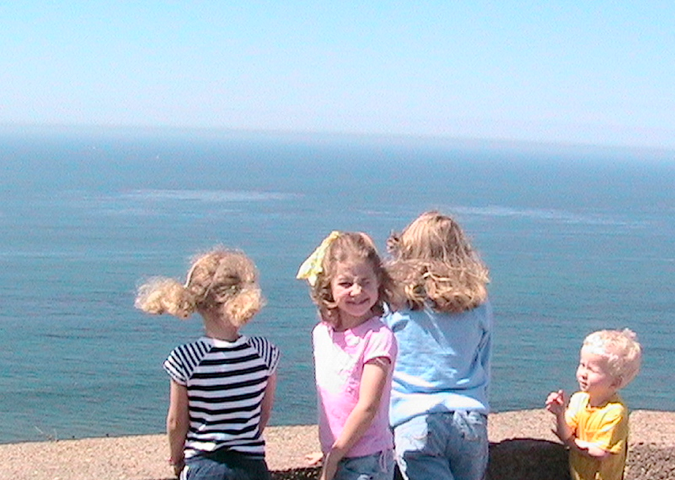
x,y
355,291
595,378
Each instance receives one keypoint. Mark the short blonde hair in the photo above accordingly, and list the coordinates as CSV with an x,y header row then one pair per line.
x,y
433,262
219,278
349,247
620,348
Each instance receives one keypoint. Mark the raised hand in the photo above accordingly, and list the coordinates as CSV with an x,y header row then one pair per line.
x,y
556,402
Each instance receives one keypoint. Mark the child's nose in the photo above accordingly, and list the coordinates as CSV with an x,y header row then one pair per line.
x,y
356,289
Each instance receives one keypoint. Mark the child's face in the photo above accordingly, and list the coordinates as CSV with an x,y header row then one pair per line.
x,y
355,291
594,377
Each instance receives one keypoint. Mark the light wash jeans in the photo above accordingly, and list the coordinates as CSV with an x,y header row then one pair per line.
x,y
452,445
379,466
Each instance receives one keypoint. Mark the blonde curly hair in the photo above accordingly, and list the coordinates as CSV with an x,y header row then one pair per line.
x,y
349,247
220,278
620,348
434,264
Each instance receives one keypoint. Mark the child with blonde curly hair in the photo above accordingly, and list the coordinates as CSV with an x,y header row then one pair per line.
x,y
594,425
354,354
439,399
223,384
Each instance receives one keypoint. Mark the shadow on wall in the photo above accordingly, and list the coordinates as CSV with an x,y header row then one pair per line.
x,y
515,459
528,459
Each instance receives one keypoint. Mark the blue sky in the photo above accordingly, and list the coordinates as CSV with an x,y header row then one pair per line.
x,y
594,72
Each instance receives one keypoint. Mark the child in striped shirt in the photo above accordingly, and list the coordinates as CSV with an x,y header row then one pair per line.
x,y
222,385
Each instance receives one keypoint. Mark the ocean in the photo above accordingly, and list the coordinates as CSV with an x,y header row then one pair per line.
x,y
576,238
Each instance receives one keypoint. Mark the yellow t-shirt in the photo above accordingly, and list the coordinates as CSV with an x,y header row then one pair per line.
x,y
605,426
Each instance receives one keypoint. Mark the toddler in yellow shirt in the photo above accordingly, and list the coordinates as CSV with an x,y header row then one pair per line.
x,y
594,424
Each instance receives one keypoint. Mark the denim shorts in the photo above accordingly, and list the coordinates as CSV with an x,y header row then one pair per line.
x,y
225,465
444,445
379,466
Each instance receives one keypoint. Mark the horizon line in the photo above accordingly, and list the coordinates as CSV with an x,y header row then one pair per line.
x,y
474,142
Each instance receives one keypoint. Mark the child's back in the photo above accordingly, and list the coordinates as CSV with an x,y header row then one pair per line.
x,y
224,376
443,361
223,384
444,331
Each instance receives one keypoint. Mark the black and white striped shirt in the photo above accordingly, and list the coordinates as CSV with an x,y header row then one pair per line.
x,y
225,383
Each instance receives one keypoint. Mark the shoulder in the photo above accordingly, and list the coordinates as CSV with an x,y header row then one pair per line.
x,y
617,402
377,326
379,337
183,359
320,327
578,400
396,320
320,330
198,348
575,407
579,397
261,342
615,409
268,351
485,308
480,315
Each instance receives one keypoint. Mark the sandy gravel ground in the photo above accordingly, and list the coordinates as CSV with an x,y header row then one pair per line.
x,y
135,457
145,457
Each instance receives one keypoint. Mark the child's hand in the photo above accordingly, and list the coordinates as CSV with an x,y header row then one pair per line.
x,y
556,402
329,469
591,450
313,459
177,466
582,445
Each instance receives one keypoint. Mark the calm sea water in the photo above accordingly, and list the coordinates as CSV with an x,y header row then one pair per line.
x,y
577,240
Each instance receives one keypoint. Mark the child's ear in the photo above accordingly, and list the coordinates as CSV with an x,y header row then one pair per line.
x,y
618,380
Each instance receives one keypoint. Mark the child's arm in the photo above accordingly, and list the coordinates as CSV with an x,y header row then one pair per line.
x,y
267,401
373,381
177,424
590,449
556,404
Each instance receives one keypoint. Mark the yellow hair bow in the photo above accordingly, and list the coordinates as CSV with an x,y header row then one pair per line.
x,y
311,268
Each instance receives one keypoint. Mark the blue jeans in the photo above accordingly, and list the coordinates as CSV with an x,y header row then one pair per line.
x,y
379,466
452,445
225,465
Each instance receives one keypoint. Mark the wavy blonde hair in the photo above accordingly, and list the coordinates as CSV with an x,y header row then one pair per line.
x,y
621,349
349,247
220,278
433,263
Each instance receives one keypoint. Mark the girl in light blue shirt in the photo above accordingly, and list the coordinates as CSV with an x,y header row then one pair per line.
x,y
439,400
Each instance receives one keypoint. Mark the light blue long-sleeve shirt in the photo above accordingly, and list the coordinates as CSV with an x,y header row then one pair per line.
x,y
443,362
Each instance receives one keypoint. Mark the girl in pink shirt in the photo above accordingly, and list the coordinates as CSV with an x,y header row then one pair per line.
x,y
354,353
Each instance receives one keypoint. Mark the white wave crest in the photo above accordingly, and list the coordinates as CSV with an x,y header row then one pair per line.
x,y
559,216
210,196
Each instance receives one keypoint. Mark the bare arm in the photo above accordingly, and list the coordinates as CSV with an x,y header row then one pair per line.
x,y
373,381
590,450
556,403
268,401
177,424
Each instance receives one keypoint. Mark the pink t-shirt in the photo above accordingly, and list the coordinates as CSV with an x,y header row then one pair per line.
x,y
339,358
